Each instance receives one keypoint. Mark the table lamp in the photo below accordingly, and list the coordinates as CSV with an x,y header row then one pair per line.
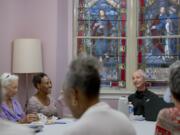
x,y
27,58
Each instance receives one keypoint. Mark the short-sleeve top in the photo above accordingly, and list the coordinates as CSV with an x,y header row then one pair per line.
x,y
35,106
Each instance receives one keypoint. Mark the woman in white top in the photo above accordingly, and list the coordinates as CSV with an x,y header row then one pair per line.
x,y
42,102
81,94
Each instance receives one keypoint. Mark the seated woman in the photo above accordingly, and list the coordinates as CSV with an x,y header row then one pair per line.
x,y
42,102
142,94
10,107
10,128
168,121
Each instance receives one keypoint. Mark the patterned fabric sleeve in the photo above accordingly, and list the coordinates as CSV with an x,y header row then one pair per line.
x,y
161,128
168,122
13,115
33,105
3,116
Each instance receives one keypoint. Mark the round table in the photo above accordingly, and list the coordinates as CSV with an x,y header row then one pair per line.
x,y
144,127
141,127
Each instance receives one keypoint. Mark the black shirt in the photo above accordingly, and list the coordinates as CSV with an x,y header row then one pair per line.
x,y
139,98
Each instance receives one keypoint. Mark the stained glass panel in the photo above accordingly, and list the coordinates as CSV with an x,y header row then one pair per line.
x,y
155,56
101,32
159,40
159,17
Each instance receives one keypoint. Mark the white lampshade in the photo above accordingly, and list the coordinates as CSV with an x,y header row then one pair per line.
x,y
27,56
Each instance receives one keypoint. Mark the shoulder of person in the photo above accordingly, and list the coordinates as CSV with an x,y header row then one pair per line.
x,y
150,93
52,99
166,113
131,96
34,101
33,98
15,101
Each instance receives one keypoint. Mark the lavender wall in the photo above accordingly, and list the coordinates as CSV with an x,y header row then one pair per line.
x,y
62,47
49,20
41,22
43,19
11,27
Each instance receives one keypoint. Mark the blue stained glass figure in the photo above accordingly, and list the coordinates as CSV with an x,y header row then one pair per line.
x,y
171,29
101,27
100,20
104,23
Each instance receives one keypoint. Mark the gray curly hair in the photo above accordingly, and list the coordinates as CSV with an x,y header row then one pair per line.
x,y
83,74
174,80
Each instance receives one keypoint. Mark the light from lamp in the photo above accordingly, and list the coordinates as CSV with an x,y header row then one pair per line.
x,y
27,56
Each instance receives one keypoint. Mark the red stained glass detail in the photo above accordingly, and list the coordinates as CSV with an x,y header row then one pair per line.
x,y
140,33
142,4
80,33
141,19
123,17
140,42
139,57
123,57
123,34
81,3
123,42
114,84
80,46
123,75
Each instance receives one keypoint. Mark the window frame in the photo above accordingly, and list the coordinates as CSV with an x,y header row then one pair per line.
x,y
131,46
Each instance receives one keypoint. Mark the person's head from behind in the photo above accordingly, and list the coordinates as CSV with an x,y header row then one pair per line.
x,y
9,85
174,82
42,83
139,78
82,85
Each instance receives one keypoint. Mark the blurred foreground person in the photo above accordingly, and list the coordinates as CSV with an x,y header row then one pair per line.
x,y
81,94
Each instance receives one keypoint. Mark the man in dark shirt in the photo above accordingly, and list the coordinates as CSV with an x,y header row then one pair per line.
x,y
142,94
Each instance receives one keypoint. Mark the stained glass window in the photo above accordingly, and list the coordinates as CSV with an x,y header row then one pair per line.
x,y
101,32
158,38
112,29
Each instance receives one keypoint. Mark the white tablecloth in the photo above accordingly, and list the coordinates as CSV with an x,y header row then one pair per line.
x,y
56,129
142,128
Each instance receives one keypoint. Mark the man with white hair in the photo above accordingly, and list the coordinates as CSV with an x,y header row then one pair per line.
x,y
8,128
142,94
